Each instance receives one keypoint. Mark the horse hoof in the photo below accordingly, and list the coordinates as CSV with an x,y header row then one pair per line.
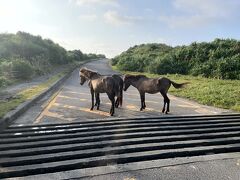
x,y
166,112
141,109
163,110
91,109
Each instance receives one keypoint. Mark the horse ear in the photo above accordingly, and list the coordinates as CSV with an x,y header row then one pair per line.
x,y
126,76
81,70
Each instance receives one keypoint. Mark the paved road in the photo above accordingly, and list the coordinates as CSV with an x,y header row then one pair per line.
x,y
72,102
189,147
211,170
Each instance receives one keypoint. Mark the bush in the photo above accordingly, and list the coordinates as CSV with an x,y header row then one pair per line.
x,y
229,68
3,81
6,69
22,69
218,59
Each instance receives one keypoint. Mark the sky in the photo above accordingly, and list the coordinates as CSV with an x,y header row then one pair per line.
x,y
112,26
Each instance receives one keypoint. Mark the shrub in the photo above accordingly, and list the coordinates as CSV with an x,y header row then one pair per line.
x,y
22,69
229,68
6,69
3,81
218,59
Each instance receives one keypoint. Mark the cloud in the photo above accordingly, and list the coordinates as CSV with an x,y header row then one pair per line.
x,y
95,2
186,21
114,18
206,7
199,12
88,17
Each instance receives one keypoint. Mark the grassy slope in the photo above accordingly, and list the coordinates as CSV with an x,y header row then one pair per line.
x,y
29,93
213,92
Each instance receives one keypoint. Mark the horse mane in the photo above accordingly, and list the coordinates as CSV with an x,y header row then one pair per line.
x,y
88,72
135,77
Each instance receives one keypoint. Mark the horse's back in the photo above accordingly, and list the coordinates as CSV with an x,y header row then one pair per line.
x,y
164,84
108,83
102,84
153,85
163,81
118,80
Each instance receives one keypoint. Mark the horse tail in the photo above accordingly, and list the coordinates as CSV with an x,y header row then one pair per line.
x,y
177,85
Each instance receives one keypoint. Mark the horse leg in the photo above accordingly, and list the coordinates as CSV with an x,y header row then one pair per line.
x,y
168,104
144,105
166,101
117,102
97,100
142,102
112,99
121,96
92,94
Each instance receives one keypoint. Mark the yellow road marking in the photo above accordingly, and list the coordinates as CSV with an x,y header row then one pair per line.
x,y
73,92
150,109
46,112
68,97
131,107
187,106
81,109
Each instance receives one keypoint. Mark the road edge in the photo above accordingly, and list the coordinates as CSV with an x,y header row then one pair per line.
x,y
11,116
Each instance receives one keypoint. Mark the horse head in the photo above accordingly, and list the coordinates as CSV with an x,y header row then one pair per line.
x,y
82,75
86,74
126,82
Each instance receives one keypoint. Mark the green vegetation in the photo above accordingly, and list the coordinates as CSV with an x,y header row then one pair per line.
x,y
218,59
207,91
213,69
29,93
23,56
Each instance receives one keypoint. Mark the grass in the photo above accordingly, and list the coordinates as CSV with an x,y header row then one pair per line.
x,y
212,92
27,94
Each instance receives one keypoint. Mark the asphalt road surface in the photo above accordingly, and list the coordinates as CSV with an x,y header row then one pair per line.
x,y
172,147
73,102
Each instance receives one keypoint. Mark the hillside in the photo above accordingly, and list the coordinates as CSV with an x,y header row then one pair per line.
x,y
217,59
23,56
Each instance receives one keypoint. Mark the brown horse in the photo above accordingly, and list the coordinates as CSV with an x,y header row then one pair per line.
x,y
119,83
151,86
99,84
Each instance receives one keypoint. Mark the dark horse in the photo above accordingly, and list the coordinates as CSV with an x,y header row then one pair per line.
x,y
119,83
100,84
151,86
